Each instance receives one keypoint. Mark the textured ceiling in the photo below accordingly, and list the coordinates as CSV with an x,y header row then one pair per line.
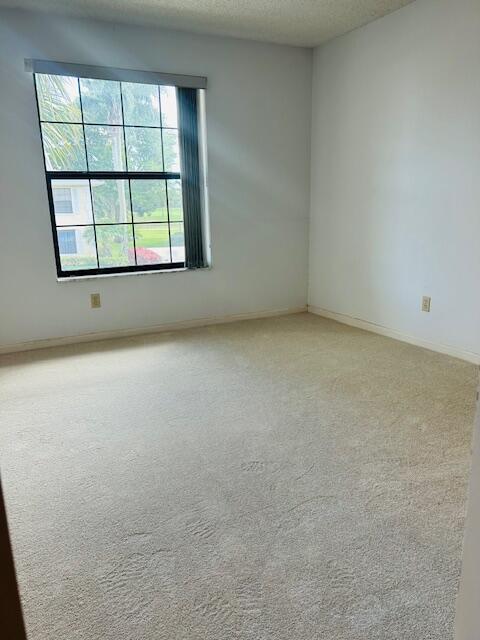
x,y
297,22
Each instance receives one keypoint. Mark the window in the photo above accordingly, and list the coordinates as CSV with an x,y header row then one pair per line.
x,y
62,200
67,241
122,169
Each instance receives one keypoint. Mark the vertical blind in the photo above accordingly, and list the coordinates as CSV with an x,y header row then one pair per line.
x,y
189,159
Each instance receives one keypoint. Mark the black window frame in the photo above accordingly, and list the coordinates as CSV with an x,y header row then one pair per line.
x,y
190,177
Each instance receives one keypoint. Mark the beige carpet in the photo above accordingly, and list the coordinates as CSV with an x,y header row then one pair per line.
x,y
280,479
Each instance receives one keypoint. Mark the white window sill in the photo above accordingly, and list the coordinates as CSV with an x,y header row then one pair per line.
x,y
129,274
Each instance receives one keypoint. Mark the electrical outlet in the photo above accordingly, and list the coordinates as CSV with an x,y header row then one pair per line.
x,y
426,301
95,301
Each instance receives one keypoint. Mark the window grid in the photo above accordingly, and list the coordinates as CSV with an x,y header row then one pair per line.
x,y
126,175
89,182
106,124
129,184
163,163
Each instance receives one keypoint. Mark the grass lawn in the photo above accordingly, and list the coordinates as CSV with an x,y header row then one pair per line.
x,y
151,236
160,215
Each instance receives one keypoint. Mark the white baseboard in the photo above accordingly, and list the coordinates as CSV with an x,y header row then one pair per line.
x,y
125,333
469,356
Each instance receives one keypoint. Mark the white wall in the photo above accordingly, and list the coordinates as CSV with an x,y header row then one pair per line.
x,y
395,175
258,122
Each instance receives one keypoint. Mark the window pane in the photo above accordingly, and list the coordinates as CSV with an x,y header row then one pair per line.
x,y
77,248
64,147
168,98
144,149
177,239
105,148
101,102
58,98
170,150
152,243
115,245
72,203
175,203
149,200
141,104
111,201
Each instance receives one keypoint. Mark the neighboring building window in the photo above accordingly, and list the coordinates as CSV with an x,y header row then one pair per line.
x,y
62,200
67,241
118,147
